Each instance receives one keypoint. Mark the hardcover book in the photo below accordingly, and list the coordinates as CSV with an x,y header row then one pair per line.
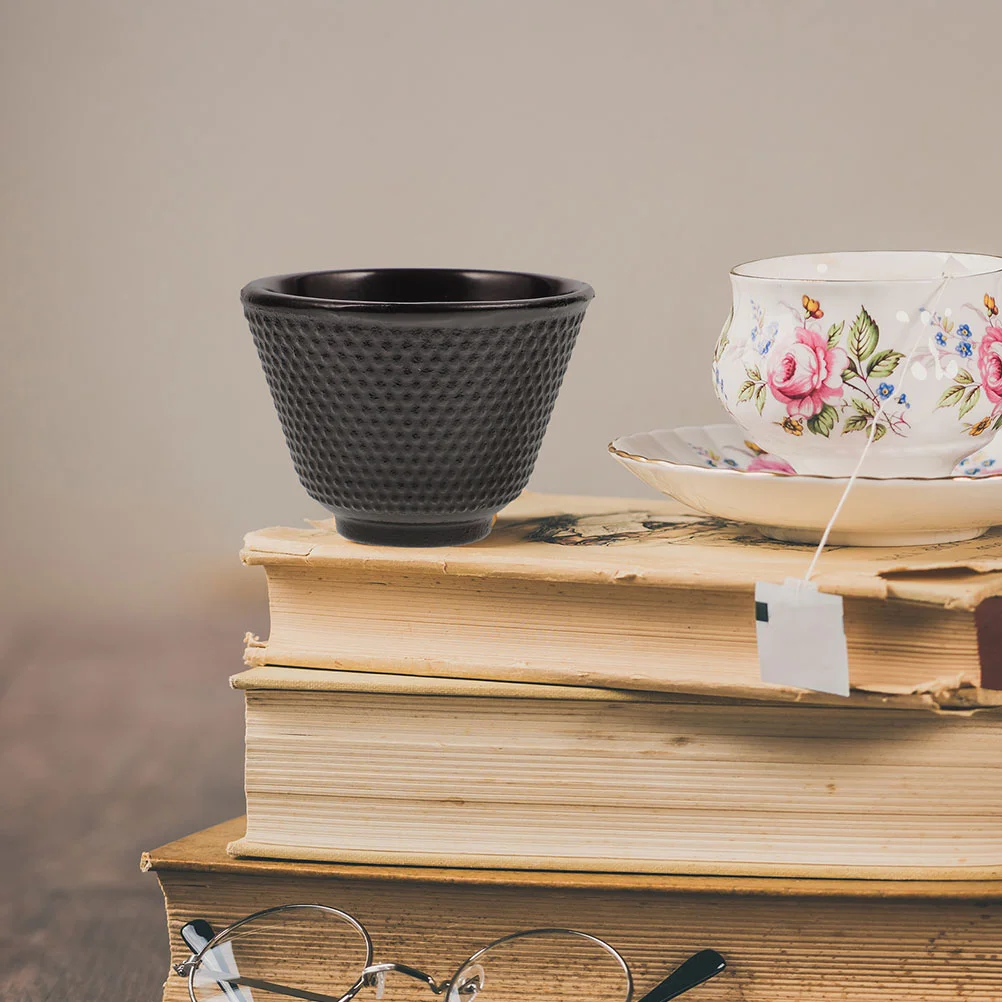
x,y
783,940
399,769
626,594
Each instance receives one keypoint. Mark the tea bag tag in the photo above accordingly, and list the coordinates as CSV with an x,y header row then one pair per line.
x,y
801,637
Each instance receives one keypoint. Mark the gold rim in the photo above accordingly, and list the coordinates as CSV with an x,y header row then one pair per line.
x,y
623,454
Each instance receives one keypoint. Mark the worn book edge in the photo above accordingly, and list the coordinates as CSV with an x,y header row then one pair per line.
x,y
949,695
692,551
205,851
609,864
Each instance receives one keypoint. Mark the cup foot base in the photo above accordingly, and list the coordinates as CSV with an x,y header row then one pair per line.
x,y
360,530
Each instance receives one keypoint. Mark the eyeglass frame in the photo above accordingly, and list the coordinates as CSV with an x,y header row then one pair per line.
x,y
697,969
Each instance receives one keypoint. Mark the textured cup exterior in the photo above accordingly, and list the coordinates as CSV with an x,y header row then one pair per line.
x,y
414,420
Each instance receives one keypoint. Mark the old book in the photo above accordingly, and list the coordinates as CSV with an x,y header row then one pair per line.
x,y
625,594
784,940
414,770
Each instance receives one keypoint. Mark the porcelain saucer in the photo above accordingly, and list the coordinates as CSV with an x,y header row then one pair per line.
x,y
716,470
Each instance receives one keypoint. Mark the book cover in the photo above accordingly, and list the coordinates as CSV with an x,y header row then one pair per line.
x,y
784,940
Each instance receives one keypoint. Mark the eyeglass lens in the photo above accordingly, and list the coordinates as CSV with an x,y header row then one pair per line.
x,y
551,967
313,956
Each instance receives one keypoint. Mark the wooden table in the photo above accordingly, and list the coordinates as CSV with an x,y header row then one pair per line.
x,y
109,744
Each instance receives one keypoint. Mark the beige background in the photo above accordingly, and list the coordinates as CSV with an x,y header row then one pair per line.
x,y
158,155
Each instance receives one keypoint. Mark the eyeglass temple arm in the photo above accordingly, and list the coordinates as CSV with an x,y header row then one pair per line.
x,y
197,935
275,989
698,968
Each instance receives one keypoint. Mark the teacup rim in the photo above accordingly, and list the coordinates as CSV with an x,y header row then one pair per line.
x,y
267,292
740,270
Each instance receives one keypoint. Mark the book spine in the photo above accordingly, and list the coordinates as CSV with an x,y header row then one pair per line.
x,y
988,623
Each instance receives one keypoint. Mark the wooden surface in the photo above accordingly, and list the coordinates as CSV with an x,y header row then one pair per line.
x,y
108,747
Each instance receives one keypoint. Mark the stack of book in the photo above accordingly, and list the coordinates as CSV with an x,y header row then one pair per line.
x,y
564,726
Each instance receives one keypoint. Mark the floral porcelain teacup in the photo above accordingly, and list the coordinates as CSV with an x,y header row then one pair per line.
x,y
819,348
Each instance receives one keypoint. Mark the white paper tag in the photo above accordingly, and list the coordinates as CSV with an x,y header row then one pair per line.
x,y
801,637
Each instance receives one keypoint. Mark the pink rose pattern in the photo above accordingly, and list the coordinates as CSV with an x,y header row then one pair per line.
x,y
806,375
834,379
844,379
990,363
965,391
768,463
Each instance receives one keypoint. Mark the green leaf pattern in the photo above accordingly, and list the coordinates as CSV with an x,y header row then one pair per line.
x,y
823,422
879,406
883,363
969,401
754,388
863,336
950,396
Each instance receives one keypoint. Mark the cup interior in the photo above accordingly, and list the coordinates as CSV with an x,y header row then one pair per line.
x,y
870,266
422,285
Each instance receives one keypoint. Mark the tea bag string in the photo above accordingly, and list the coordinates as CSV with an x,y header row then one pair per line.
x,y
905,369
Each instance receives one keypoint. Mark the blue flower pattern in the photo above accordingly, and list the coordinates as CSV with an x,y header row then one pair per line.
x,y
948,337
970,467
762,334
965,390
714,460
719,380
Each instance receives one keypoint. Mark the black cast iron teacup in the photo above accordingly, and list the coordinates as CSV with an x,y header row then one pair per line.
x,y
414,401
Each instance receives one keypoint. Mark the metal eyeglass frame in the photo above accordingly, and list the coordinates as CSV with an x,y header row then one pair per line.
x,y
201,939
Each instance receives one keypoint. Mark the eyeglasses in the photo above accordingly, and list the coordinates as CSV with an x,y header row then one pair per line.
x,y
321,954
